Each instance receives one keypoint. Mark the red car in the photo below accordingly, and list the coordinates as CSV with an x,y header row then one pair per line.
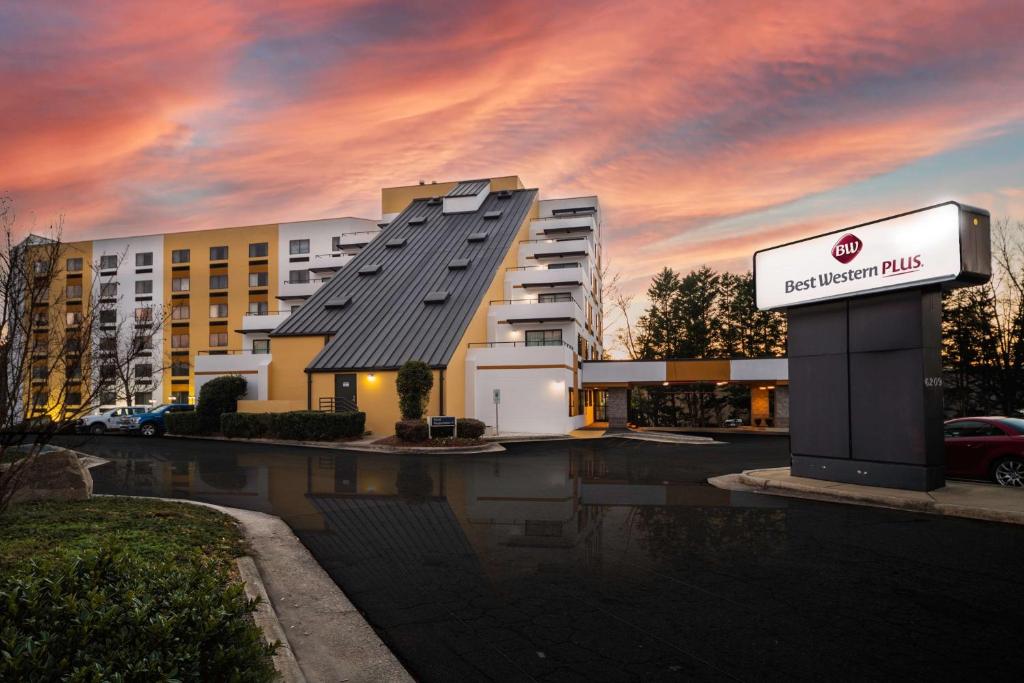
x,y
986,448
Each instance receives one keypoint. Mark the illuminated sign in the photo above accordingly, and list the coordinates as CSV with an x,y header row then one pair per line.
x,y
947,244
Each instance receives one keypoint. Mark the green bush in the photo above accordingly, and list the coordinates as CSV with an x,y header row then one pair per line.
x,y
246,425
414,382
108,616
470,428
297,425
218,396
186,423
411,430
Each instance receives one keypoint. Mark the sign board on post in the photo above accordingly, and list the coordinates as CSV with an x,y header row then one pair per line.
x,y
948,244
497,401
442,421
497,396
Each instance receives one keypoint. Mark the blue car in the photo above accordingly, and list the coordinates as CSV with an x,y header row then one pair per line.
x,y
152,423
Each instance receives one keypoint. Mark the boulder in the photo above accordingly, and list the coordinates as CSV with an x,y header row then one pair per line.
x,y
54,474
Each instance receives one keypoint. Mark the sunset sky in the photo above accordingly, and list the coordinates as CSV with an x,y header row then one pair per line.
x,y
708,128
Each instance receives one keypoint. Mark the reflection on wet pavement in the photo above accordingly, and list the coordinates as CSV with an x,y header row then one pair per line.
x,y
611,560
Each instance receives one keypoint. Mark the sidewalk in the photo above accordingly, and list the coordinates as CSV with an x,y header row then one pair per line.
x,y
957,499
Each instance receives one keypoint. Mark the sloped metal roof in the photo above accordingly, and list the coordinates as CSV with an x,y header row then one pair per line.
x,y
387,322
468,188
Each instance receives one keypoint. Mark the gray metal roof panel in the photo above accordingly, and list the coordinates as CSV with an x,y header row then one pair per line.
x,y
387,322
468,188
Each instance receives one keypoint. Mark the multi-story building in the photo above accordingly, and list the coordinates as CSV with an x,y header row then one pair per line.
x,y
217,292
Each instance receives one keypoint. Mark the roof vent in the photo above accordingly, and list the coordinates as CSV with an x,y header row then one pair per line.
x,y
458,264
434,201
492,214
339,301
395,243
417,220
505,194
436,297
371,269
477,237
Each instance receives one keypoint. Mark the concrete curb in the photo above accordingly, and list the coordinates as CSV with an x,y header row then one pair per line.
x,y
330,639
911,501
266,618
358,446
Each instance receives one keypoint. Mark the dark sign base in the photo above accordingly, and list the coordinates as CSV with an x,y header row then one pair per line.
x,y
888,475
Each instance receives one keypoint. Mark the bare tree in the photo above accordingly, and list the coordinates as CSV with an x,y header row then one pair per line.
x,y
615,310
51,305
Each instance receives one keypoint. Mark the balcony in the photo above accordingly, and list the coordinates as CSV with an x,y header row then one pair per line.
x,y
262,322
300,289
562,227
554,250
532,311
328,264
351,242
541,278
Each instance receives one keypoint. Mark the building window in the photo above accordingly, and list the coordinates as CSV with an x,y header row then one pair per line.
x,y
179,368
259,250
108,262
144,259
218,310
107,397
261,346
556,266
73,318
181,256
143,286
74,398
74,265
108,290
73,291
335,244
74,371
179,284
258,279
218,282
143,398
179,397
218,339
557,296
298,247
179,312
144,314
544,337
179,341
258,308
572,402
295,307
108,372
298,276
108,316
143,371
143,343
218,253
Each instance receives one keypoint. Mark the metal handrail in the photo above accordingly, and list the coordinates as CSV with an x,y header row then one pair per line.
x,y
336,404
550,240
515,268
230,352
535,301
306,282
482,345
266,313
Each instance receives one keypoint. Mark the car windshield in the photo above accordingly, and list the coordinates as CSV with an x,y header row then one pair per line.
x,y
161,408
1014,423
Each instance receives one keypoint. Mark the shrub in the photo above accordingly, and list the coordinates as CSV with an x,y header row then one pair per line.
x,y
186,423
218,396
246,425
411,430
297,425
415,380
108,616
470,428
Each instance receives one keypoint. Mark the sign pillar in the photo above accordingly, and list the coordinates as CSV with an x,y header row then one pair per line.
x,y
864,307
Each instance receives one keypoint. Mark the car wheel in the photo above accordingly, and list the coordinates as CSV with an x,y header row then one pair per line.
x,y
1009,472
148,430
97,428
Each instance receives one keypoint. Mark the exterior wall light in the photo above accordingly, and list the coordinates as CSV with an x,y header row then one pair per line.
x,y
664,384
371,376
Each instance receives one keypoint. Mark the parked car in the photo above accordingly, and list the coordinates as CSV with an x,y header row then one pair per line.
x,y
152,423
109,419
732,422
986,448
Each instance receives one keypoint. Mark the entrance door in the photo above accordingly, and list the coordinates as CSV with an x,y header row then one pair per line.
x,y
344,393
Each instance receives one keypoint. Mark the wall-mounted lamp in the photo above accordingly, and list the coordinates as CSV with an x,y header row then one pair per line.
x,y
720,384
664,384
371,376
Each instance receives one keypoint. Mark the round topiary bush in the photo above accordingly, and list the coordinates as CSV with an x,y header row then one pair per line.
x,y
470,428
411,430
415,380
218,396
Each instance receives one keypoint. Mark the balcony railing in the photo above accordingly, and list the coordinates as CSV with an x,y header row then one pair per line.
x,y
552,240
266,312
232,352
514,344
557,300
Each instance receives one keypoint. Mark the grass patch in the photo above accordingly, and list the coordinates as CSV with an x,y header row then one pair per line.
x,y
150,529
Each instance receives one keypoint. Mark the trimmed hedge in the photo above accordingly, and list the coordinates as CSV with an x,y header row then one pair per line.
x,y
300,425
108,616
470,428
218,396
411,430
186,423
